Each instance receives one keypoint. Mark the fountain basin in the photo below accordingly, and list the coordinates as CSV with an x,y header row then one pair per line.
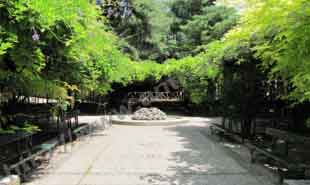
x,y
127,120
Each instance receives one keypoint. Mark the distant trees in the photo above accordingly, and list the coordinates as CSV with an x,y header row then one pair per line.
x,y
143,29
200,27
159,30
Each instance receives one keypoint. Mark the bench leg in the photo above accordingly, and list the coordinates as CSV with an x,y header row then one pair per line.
x,y
50,154
221,136
211,130
26,167
32,162
20,173
253,159
6,170
281,176
243,140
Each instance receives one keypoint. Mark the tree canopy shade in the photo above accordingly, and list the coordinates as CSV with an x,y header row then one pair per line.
x,y
51,47
55,47
47,42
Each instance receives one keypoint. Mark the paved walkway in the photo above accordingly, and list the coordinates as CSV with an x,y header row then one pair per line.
x,y
174,155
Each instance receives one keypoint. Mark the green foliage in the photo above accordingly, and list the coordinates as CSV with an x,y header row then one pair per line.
x,y
74,49
197,24
308,122
55,47
279,35
210,25
195,73
52,48
145,28
26,127
163,29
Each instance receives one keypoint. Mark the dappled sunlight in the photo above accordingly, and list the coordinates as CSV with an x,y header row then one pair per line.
x,y
195,158
231,145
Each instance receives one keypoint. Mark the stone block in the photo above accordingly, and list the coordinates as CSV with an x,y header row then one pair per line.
x,y
10,180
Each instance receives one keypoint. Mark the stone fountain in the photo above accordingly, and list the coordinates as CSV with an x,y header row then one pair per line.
x,y
148,117
149,114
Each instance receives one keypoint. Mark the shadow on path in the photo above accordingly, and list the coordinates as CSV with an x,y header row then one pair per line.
x,y
200,160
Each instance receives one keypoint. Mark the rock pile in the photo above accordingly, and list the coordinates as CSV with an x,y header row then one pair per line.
x,y
149,114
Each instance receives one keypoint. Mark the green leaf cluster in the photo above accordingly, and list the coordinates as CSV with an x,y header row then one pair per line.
x,y
277,32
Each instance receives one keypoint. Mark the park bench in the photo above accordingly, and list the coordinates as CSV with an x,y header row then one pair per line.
x,y
286,167
27,158
82,130
219,130
69,119
222,132
297,182
12,145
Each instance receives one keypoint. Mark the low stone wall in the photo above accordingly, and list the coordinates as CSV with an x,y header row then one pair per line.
x,y
10,180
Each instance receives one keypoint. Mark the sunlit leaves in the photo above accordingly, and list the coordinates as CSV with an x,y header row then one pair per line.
x,y
282,31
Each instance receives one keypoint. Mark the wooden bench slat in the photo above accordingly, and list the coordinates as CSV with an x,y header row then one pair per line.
x,y
290,167
285,135
214,126
43,148
80,129
284,162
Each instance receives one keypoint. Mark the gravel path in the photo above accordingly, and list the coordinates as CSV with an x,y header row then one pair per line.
x,y
132,155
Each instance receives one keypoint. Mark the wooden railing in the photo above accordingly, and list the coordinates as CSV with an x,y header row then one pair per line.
x,y
136,97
